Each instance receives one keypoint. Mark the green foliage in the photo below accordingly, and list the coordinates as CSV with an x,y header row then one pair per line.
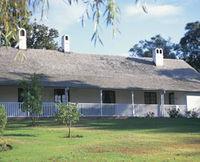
x,y
3,119
145,48
68,114
174,113
16,14
190,44
191,114
40,37
150,114
32,96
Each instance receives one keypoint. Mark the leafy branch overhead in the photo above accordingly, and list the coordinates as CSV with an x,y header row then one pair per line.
x,y
15,14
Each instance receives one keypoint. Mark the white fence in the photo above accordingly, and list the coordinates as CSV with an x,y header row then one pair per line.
x,y
13,109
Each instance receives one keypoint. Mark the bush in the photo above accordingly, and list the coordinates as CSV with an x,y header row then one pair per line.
x,y
191,114
3,119
68,114
150,115
174,113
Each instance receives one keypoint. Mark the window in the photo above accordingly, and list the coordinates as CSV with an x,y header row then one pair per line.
x,y
108,96
59,95
171,98
20,97
150,98
22,32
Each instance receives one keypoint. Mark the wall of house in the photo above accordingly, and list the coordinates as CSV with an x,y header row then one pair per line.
x,y
180,98
84,95
123,96
89,95
8,94
193,101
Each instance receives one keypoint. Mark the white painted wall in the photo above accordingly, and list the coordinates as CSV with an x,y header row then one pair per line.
x,y
193,101
89,95
180,98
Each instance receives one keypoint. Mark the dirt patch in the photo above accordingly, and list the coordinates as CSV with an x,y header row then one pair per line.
x,y
192,140
139,150
189,154
183,145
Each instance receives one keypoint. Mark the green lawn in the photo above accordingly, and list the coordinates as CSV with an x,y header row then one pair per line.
x,y
133,139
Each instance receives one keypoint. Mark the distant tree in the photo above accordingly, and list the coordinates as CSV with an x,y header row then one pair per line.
x,y
145,48
190,44
68,114
32,97
41,37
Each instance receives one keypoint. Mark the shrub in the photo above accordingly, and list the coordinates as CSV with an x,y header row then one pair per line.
x,y
150,115
191,114
68,114
194,114
174,113
3,119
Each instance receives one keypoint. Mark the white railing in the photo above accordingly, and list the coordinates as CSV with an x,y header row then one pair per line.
x,y
13,109
164,109
141,110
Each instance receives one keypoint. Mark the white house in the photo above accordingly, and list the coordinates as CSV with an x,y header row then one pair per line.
x,y
101,84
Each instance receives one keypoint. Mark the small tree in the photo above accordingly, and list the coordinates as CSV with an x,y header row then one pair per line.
x,y
32,97
3,121
68,114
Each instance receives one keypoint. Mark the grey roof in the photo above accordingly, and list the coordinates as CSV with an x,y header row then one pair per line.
x,y
101,71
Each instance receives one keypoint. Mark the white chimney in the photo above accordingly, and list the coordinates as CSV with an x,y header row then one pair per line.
x,y
158,57
22,38
65,43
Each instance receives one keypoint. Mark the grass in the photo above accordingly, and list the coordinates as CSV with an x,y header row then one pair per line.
x,y
132,139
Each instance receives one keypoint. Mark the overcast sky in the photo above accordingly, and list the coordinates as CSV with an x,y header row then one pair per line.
x,y
165,17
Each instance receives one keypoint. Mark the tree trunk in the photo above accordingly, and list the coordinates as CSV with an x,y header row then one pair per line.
x,y
69,130
33,121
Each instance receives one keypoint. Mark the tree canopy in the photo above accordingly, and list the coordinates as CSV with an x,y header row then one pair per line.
x,y
145,48
41,37
188,48
190,44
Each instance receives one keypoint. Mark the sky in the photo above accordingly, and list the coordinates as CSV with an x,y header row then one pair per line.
x,y
165,17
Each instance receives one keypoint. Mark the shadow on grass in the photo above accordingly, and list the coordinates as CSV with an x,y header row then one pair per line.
x,y
26,124
178,125
168,125
19,135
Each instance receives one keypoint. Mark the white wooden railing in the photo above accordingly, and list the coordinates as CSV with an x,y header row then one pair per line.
x,y
13,109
